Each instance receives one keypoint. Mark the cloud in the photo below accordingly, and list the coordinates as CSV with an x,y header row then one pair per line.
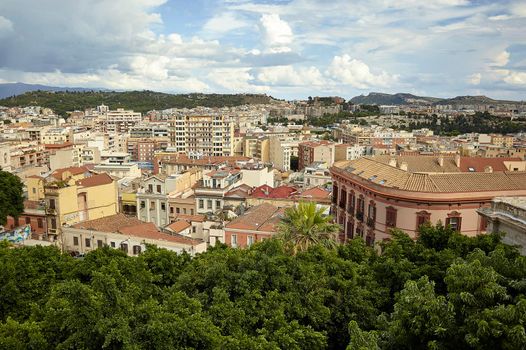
x,y
475,78
151,67
235,80
502,59
356,73
223,23
290,76
277,34
6,26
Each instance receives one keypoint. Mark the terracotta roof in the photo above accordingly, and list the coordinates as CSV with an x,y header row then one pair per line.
x,y
241,191
430,163
190,218
179,226
382,174
265,191
95,180
316,143
263,217
120,223
75,170
315,192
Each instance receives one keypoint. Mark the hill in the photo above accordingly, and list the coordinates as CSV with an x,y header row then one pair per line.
x,y
377,98
141,101
13,89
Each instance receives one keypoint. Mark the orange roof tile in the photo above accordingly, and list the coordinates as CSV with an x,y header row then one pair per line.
x,y
179,226
95,180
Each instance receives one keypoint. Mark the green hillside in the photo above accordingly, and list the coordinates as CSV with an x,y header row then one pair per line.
x,y
140,101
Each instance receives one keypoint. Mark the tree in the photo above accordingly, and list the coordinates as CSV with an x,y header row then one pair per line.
x,y
11,196
304,226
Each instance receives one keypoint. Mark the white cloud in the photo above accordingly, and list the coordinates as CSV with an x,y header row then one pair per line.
x,y
5,25
289,76
277,34
515,78
356,73
151,67
223,23
475,78
502,59
235,80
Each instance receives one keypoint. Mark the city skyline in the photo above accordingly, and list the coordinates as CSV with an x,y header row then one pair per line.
x,y
289,49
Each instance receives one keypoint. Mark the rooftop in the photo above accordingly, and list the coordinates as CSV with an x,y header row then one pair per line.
x,y
263,217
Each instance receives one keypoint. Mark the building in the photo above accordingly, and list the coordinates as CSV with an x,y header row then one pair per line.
x,y
507,215
371,195
121,171
257,224
315,151
56,136
211,190
345,151
280,153
202,135
144,150
34,215
121,121
316,174
74,195
125,233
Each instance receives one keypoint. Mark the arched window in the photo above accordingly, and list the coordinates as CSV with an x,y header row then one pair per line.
x,y
454,220
422,217
390,216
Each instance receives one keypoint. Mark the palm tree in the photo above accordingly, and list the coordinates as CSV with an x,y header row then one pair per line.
x,y
304,225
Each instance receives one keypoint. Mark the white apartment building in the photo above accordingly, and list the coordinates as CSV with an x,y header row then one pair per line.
x,y
280,153
198,136
120,121
56,136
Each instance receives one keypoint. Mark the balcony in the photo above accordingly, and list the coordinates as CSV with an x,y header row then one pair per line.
x,y
371,222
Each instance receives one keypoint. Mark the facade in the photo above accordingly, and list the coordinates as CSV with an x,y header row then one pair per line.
x,y
143,150
315,151
257,224
124,170
317,174
127,234
507,215
198,136
211,190
34,215
371,195
280,153
120,121
74,195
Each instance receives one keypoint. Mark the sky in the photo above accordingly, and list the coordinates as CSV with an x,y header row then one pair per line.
x,y
288,49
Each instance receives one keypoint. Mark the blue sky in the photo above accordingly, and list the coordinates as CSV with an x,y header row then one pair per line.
x,y
289,49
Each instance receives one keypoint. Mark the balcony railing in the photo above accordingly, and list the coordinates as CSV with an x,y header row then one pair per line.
x,y
371,222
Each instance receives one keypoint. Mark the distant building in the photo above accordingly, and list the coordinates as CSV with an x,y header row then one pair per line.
x,y
121,121
507,215
315,151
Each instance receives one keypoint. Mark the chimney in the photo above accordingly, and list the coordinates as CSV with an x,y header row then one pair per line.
x,y
403,166
392,162
488,169
441,160
457,160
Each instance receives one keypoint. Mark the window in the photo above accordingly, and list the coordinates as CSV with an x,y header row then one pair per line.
x,y
201,204
454,220
40,223
88,242
124,247
136,249
112,244
143,204
54,223
163,206
209,204
184,210
158,190
193,229
390,217
34,190
250,240
218,204
421,218
233,241
75,241
28,220
99,243
177,210
171,210
51,203
191,212
150,188
152,205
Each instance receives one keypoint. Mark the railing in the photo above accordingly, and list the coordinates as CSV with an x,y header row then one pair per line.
x,y
359,216
370,222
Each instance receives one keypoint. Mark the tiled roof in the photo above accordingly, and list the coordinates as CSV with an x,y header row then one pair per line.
x,y
190,218
265,191
95,180
120,223
315,192
263,217
241,191
75,170
179,226
382,174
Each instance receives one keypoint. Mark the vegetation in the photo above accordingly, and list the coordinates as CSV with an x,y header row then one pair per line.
x,y
140,101
443,291
480,122
11,196
305,225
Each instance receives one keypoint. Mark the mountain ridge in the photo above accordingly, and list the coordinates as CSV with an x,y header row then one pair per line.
x,y
379,98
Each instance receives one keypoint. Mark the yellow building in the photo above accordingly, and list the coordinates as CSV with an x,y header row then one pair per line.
x,y
35,188
73,196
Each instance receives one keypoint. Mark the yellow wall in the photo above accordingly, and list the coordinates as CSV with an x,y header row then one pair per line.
x,y
35,188
102,200
129,198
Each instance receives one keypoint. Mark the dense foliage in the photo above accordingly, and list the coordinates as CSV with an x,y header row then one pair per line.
x,y
444,291
11,196
139,101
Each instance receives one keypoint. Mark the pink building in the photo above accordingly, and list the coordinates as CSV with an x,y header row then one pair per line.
x,y
371,195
